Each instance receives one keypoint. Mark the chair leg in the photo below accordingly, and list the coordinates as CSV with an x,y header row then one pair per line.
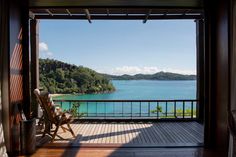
x,y
68,124
55,132
44,133
46,128
64,129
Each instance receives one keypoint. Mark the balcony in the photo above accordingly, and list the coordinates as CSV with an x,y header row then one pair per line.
x,y
131,123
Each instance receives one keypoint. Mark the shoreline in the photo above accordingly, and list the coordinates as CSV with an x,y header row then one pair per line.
x,y
57,95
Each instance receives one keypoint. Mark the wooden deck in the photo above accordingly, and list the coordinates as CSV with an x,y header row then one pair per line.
x,y
131,134
127,152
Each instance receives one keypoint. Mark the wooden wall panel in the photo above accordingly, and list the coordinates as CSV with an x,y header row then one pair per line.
x,y
217,71
14,67
3,40
232,105
5,70
15,73
16,58
233,56
16,88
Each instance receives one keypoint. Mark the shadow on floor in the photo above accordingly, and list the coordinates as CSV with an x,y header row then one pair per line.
x,y
153,139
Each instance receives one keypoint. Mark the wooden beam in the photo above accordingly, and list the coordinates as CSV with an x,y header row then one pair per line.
x,y
31,15
147,15
216,74
232,104
26,60
49,12
68,11
88,15
200,55
34,44
4,64
119,17
117,3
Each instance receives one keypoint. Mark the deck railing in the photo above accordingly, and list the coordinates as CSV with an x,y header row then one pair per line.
x,y
132,109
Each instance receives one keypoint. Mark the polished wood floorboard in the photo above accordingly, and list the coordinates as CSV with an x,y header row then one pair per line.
x,y
126,152
132,134
107,139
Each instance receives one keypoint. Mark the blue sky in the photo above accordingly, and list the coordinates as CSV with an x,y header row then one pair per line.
x,y
122,47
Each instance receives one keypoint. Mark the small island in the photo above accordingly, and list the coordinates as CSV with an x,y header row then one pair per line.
x,y
63,78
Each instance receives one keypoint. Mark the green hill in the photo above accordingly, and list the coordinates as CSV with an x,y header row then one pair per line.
x,y
157,76
59,77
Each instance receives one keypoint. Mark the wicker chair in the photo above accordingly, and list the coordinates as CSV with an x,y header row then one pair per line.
x,y
53,115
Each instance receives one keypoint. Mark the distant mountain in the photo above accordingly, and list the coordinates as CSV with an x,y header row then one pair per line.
x,y
157,76
60,77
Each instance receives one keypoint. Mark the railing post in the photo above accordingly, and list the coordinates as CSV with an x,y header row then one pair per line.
x,y
183,108
140,109
191,109
149,109
69,105
157,109
113,109
166,109
175,109
96,109
105,109
122,112
87,109
131,109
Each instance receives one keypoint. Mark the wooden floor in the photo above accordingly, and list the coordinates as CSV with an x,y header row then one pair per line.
x,y
128,140
160,134
127,152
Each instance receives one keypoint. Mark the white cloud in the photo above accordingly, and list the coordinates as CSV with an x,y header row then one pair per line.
x,y
132,70
44,50
43,46
49,53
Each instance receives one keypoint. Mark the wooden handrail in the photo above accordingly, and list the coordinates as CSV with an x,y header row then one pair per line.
x,y
161,100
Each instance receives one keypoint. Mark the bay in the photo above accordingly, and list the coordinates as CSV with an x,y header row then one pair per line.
x,y
134,90
143,90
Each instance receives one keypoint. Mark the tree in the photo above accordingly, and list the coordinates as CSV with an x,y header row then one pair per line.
x,y
60,77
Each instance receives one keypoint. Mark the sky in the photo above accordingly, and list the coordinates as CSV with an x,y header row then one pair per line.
x,y
121,47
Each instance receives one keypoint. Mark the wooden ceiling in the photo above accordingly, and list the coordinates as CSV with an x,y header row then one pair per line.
x,y
117,3
116,9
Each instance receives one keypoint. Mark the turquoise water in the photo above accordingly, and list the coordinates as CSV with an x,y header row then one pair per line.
x,y
135,90
144,89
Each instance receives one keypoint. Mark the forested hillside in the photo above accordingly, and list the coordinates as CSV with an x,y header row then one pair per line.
x,y
157,76
60,77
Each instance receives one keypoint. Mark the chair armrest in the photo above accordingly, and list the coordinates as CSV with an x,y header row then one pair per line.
x,y
57,105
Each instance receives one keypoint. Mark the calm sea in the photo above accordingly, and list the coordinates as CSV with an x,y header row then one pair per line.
x,y
144,89
135,90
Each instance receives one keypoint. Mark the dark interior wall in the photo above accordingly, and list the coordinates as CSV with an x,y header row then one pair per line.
x,y
233,55
222,74
16,72
232,105
5,70
13,71
2,41
217,73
